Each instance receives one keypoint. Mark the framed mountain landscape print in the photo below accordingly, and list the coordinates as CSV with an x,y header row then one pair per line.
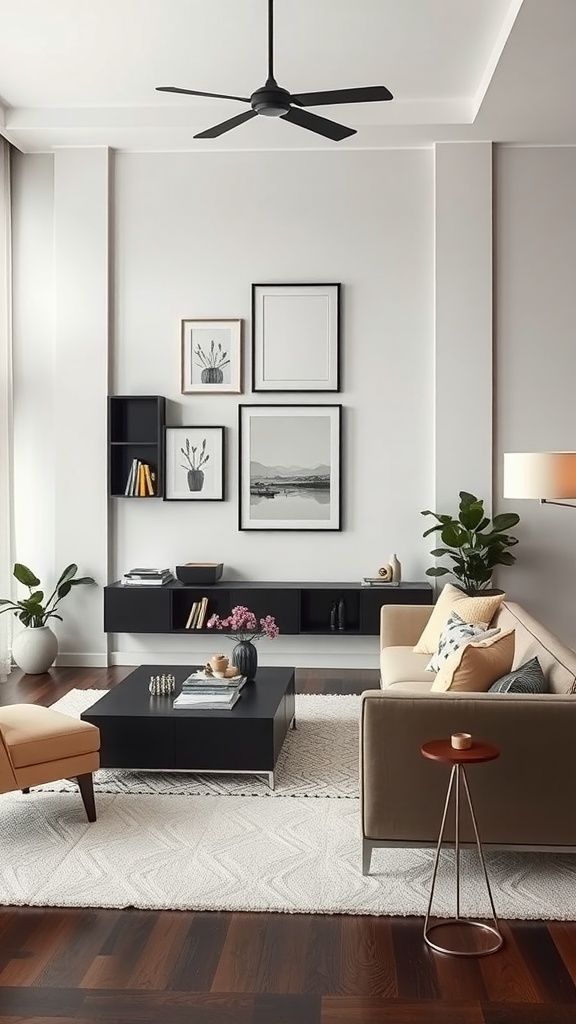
x,y
211,357
290,467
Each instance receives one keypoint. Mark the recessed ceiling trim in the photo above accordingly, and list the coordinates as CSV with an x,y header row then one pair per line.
x,y
492,63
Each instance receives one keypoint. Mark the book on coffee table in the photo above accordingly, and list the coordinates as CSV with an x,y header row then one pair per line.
x,y
207,701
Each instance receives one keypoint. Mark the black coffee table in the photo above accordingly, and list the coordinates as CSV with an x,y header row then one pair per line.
x,y
139,731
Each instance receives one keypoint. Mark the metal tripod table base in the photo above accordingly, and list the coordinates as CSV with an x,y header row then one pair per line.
x,y
491,931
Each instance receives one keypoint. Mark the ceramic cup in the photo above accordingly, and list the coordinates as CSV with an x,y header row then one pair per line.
x,y
461,740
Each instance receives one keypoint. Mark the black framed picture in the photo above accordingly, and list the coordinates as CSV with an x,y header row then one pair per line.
x,y
295,337
194,463
290,467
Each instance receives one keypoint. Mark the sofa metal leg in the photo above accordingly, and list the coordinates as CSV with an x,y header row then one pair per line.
x,y
366,856
87,793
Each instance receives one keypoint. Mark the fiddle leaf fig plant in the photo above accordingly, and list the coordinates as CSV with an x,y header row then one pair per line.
x,y
34,610
474,543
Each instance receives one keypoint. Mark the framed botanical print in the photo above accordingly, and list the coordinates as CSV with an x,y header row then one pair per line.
x,y
295,337
290,467
211,357
194,464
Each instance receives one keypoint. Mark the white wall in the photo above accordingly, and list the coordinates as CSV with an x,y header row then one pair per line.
x,y
193,231
535,282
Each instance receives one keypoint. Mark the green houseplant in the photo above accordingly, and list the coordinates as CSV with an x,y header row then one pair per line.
x,y
474,543
35,648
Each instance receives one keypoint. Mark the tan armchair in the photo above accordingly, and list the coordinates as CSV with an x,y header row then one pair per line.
x,y
38,745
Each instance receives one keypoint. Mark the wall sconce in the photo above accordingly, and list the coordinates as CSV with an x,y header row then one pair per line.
x,y
547,476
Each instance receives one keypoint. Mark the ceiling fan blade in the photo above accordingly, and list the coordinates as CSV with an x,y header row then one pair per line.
x,y
225,126
194,92
320,125
366,95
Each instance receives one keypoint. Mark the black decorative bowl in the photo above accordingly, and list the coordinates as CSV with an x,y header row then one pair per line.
x,y
199,572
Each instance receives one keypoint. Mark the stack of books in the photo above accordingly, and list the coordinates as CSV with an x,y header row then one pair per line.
x,y
197,616
202,692
141,481
377,581
147,577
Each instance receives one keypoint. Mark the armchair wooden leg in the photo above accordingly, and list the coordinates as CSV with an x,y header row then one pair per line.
x,y
26,790
87,793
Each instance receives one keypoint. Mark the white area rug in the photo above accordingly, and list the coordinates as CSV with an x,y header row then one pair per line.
x,y
213,851
319,757
223,853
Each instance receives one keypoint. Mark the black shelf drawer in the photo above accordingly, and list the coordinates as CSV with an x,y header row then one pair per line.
x,y
137,609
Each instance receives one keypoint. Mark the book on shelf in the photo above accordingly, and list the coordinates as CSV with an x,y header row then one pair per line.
x,y
140,481
147,577
377,581
197,614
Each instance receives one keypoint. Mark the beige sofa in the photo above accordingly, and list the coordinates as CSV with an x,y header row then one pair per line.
x,y
524,800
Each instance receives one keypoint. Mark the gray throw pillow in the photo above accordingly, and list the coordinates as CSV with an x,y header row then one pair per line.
x,y
528,678
455,634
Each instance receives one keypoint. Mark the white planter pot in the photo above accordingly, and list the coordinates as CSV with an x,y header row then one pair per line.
x,y
34,649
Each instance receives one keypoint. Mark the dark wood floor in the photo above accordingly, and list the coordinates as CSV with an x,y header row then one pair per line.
x,y
79,966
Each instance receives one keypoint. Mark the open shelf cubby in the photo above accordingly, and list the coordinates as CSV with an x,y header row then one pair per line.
x,y
135,431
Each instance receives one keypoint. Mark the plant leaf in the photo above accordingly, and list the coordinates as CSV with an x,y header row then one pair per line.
x,y
505,521
25,575
437,570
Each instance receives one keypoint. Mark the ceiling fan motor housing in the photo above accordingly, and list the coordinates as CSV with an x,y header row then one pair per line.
x,y
270,100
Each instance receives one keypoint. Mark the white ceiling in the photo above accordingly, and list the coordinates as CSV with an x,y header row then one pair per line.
x,y
83,72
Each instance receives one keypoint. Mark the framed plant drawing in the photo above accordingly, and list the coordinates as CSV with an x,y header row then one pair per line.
x,y
194,463
211,357
290,467
295,337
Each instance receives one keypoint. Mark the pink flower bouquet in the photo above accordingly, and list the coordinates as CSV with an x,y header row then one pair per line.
x,y
243,625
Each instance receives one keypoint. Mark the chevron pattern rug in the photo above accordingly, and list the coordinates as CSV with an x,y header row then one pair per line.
x,y
213,851
319,758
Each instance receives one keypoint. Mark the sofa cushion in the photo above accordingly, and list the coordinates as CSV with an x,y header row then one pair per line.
x,y
34,734
477,665
401,665
455,634
558,662
472,609
528,678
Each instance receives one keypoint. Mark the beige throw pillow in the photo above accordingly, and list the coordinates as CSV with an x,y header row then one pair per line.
x,y
477,665
451,599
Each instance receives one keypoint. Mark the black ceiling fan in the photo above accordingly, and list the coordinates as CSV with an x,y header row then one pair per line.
x,y
273,101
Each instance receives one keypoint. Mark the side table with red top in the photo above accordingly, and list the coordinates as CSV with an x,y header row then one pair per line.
x,y
442,750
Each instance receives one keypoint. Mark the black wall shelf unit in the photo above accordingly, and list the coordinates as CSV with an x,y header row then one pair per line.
x,y
300,609
135,431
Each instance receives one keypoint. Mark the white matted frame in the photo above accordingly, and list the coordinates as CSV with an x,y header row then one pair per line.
x,y
194,463
290,467
295,337
211,357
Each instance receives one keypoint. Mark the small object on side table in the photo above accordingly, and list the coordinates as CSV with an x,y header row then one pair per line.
x,y
478,752
461,740
162,686
396,569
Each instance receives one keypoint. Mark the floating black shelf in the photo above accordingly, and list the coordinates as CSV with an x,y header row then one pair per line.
x,y
300,609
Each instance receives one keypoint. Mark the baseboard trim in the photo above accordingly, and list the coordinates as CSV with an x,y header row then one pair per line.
x,y
320,659
82,660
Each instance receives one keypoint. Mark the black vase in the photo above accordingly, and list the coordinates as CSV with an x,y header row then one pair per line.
x,y
245,657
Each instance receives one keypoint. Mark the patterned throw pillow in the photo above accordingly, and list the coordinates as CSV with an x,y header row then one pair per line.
x,y
455,634
475,666
528,678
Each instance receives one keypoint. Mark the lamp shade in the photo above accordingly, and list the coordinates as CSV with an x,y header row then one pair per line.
x,y
540,475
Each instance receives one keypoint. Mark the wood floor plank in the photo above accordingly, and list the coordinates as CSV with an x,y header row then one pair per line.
x,y
563,934
524,1013
238,966
197,961
366,1010
71,960
323,960
284,954
548,971
116,1007
286,1009
52,931
507,977
121,951
415,967
459,978
155,965
368,966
